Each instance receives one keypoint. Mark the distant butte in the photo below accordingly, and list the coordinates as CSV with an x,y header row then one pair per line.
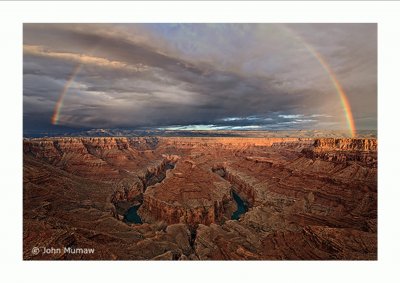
x,y
305,198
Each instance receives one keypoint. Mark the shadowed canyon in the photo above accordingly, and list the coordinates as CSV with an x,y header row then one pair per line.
x,y
201,198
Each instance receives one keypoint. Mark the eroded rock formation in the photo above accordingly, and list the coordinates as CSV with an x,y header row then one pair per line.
x,y
341,150
190,195
307,198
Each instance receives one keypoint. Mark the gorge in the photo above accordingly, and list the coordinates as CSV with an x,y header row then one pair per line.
x,y
201,198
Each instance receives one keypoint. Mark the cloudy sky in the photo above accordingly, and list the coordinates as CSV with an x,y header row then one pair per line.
x,y
198,76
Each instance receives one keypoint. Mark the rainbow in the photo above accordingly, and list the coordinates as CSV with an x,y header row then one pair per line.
x,y
56,115
57,109
332,76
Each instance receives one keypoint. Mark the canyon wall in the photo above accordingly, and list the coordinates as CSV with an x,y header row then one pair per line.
x,y
342,150
189,194
307,198
346,144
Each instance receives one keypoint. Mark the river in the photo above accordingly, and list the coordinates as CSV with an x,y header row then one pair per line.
x,y
241,206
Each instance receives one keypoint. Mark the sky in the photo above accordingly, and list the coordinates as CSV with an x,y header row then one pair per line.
x,y
199,76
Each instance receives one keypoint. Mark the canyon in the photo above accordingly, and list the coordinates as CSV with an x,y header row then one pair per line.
x,y
201,198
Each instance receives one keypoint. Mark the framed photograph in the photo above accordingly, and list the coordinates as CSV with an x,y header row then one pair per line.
x,y
200,141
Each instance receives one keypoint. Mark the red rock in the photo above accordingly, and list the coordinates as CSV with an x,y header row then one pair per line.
x,y
198,196
308,198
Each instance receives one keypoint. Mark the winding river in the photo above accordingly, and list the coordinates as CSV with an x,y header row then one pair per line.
x,y
241,206
131,216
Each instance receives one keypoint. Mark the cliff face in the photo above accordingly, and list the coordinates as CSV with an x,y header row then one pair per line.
x,y
96,158
154,210
307,198
240,184
343,150
231,143
189,194
346,144
129,191
48,147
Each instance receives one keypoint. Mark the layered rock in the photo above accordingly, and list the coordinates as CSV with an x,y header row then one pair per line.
x,y
240,183
308,198
188,195
231,143
96,158
129,191
346,144
343,150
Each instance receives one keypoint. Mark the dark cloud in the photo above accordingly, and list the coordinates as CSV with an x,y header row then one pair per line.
x,y
185,75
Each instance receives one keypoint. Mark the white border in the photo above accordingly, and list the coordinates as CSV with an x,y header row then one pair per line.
x,y
13,14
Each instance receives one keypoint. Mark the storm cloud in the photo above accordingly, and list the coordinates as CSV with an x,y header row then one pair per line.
x,y
198,76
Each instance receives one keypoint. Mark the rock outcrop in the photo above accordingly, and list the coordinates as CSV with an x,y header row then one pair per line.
x,y
342,150
346,144
307,198
189,195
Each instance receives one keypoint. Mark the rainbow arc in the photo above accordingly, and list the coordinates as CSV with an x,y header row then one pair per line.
x,y
56,114
332,76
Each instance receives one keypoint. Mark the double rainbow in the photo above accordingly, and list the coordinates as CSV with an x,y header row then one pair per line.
x,y
332,76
